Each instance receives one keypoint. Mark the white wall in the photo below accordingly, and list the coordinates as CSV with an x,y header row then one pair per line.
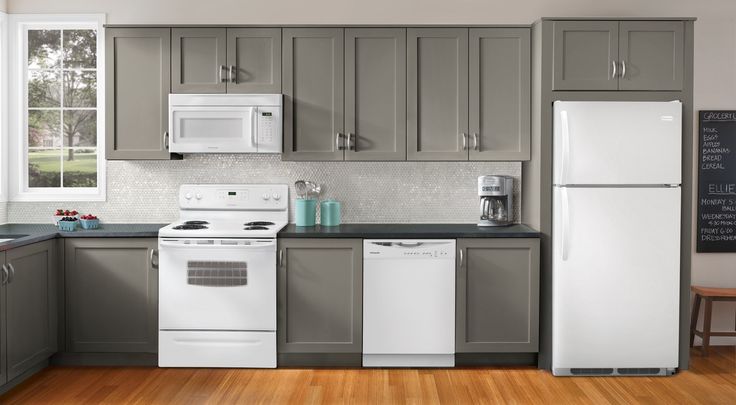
x,y
715,44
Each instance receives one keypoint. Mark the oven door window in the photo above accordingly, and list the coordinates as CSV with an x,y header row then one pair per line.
x,y
217,274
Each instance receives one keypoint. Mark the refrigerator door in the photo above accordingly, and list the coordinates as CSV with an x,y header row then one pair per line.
x,y
613,142
615,278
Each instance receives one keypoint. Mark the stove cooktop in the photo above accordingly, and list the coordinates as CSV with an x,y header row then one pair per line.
x,y
222,229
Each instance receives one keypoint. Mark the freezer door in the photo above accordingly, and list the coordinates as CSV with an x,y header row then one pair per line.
x,y
617,142
615,277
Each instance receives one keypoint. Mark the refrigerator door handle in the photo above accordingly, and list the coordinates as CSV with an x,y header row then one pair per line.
x,y
565,223
564,123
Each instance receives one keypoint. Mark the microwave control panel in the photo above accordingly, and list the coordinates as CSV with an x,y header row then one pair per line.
x,y
268,124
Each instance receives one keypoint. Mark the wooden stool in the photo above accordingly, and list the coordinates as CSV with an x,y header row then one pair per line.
x,y
710,295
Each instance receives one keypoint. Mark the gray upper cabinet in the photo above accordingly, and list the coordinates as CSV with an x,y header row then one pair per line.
x,y
137,75
375,93
437,93
320,284
651,55
585,53
111,295
30,307
198,60
500,107
497,296
254,60
313,87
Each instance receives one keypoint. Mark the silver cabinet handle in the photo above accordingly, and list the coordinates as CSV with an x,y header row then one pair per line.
x,y
12,273
154,263
461,257
4,276
281,257
623,69
614,64
233,74
223,79
166,140
476,145
465,140
339,145
351,142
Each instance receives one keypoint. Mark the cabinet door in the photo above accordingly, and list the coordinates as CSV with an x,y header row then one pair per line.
x,y
375,93
652,53
31,307
497,295
111,295
3,329
313,93
585,53
500,105
437,93
137,92
254,55
320,283
198,60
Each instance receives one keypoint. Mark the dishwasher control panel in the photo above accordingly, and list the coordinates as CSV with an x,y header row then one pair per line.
x,y
409,249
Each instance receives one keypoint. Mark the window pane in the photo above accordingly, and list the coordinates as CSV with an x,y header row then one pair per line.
x,y
80,89
80,167
80,128
80,49
44,168
44,49
44,128
44,89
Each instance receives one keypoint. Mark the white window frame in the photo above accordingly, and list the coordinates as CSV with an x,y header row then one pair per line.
x,y
3,107
19,25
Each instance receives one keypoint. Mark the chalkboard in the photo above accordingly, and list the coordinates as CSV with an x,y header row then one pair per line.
x,y
717,182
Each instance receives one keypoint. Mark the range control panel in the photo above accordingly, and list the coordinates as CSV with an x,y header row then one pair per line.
x,y
234,196
409,249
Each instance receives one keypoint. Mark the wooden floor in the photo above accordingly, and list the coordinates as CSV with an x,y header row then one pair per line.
x,y
710,380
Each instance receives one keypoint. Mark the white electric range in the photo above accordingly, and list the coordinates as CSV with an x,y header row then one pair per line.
x,y
217,276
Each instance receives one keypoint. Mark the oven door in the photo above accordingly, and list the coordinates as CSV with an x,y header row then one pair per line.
x,y
202,129
217,284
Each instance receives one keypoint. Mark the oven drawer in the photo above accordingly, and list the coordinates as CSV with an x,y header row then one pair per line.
x,y
217,349
217,286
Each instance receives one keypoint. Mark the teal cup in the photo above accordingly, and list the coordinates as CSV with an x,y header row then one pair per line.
x,y
329,213
306,212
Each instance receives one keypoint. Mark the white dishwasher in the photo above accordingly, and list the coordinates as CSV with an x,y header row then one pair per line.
x,y
409,303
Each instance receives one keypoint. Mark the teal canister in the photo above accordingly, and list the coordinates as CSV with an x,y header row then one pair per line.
x,y
306,212
329,213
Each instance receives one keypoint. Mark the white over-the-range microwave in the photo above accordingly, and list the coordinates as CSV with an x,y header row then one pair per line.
x,y
225,123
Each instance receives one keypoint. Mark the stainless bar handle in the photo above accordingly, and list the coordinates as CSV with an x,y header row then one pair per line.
x,y
11,276
623,69
223,79
351,141
613,63
338,145
476,144
465,140
281,257
154,264
461,258
166,140
233,74
4,276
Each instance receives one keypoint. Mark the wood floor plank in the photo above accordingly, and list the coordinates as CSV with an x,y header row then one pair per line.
x,y
710,380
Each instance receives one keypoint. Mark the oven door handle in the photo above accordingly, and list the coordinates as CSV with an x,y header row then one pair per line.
x,y
181,244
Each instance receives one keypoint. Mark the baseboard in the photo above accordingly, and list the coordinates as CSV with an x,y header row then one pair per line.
x,y
21,378
105,359
320,360
495,359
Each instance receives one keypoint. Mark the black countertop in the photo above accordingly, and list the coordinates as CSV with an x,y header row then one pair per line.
x,y
409,231
24,234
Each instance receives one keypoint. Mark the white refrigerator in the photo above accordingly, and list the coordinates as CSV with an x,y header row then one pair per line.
x,y
616,237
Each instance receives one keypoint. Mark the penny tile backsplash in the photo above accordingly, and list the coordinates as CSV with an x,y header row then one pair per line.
x,y
390,192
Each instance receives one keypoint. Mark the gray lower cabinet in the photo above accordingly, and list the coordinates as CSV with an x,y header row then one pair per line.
x,y
198,60
3,328
652,53
320,296
30,317
437,93
375,93
111,295
585,55
137,73
497,296
500,105
254,60
313,87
